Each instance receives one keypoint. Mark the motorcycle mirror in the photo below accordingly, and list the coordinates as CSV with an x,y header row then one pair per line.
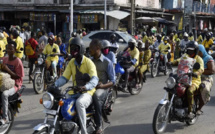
x,y
21,49
196,66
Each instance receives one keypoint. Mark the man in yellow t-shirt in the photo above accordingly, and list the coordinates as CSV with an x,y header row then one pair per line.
x,y
165,48
192,52
79,68
52,50
134,53
208,42
2,45
145,37
199,39
191,38
19,43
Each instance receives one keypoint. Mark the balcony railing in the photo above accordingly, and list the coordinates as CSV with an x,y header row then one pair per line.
x,y
200,7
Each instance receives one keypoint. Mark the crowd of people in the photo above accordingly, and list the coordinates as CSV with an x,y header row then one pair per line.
x,y
99,64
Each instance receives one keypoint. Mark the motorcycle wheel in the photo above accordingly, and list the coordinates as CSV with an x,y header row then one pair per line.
x,y
135,91
4,129
193,121
43,131
159,122
38,87
154,70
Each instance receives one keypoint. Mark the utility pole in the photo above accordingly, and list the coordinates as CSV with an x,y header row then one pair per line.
x,y
132,17
71,17
105,16
55,24
195,35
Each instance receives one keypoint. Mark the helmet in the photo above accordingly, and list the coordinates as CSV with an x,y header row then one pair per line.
x,y
144,33
133,41
51,37
208,34
74,34
163,34
174,31
79,42
142,44
193,45
185,34
113,35
191,34
166,38
105,44
1,36
159,35
15,33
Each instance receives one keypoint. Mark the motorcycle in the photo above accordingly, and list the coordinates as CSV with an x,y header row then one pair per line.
x,y
158,65
42,75
62,109
176,107
14,103
123,62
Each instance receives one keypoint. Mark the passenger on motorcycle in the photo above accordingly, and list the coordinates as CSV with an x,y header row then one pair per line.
x,y
13,66
165,49
114,46
191,38
52,50
76,68
106,51
63,53
144,58
192,51
134,53
145,37
172,44
183,44
206,77
208,42
106,76
157,43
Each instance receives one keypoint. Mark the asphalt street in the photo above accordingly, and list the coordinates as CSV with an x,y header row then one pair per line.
x,y
131,114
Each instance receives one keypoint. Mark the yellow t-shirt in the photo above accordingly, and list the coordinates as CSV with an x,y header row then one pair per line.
x,y
207,44
19,46
49,50
163,47
2,48
141,58
135,55
175,37
147,56
87,66
145,38
199,39
191,38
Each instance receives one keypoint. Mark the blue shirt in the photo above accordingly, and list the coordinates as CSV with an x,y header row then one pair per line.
x,y
111,57
63,49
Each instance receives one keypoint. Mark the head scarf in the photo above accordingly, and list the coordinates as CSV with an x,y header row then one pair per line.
x,y
206,57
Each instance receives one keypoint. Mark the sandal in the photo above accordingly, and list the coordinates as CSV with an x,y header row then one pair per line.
x,y
199,112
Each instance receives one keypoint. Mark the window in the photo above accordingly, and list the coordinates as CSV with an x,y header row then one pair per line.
x,y
101,36
95,36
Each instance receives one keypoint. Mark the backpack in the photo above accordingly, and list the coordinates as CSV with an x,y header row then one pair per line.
x,y
185,66
29,49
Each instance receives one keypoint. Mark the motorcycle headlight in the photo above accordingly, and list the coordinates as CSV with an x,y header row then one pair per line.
x,y
48,100
170,82
40,61
156,54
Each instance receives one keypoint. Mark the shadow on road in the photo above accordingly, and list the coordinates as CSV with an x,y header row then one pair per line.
x,y
130,129
26,124
211,102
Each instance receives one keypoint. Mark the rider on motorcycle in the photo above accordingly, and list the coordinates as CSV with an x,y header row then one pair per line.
x,y
52,50
199,39
13,66
183,44
191,38
208,42
206,78
76,68
157,43
114,46
106,51
134,53
145,37
192,51
165,49
106,76
63,53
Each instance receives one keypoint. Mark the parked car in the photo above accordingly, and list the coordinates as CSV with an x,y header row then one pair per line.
x,y
121,37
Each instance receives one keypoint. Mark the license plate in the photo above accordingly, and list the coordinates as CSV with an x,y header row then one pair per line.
x,y
52,112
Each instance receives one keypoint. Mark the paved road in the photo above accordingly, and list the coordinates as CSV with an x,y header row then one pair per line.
x,y
131,114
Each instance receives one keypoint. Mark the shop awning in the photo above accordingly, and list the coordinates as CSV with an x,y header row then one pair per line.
x,y
150,12
164,21
146,20
117,14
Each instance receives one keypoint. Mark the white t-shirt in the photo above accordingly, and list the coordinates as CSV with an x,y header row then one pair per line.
x,y
22,35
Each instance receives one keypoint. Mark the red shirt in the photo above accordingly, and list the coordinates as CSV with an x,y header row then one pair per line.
x,y
17,67
34,44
